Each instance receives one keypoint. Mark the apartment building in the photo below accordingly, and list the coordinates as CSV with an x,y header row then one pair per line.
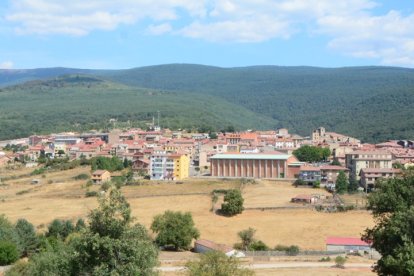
x,y
169,166
374,159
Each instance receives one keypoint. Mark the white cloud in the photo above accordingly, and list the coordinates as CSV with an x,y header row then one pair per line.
x,y
353,26
6,65
159,29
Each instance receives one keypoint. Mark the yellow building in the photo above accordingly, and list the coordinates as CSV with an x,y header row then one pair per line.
x,y
181,166
169,166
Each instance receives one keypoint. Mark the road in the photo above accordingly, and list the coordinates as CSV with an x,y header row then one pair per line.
x,y
278,265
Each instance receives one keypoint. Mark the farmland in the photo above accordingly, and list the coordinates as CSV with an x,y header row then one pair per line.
x,y
60,196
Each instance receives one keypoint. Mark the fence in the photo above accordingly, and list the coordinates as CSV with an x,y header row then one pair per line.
x,y
284,253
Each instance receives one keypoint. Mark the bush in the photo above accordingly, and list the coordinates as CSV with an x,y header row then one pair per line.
x,y
91,193
316,184
233,203
340,261
325,259
216,263
60,229
258,246
82,176
292,250
38,171
8,253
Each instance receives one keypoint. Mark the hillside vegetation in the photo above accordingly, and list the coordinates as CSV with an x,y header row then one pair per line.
x,y
83,103
371,103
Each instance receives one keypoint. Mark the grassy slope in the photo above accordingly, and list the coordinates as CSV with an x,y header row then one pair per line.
x,y
88,102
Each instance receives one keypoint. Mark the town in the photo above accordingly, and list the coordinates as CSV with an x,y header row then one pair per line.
x,y
162,154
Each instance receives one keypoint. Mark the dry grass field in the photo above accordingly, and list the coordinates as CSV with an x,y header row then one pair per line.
x,y
64,198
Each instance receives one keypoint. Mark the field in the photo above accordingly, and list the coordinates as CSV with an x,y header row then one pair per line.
x,y
60,196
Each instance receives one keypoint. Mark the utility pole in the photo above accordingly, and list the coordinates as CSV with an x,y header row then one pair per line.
x,y
158,119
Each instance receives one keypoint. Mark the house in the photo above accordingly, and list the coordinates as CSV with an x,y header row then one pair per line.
x,y
329,173
361,159
369,176
310,199
203,246
348,245
100,176
309,174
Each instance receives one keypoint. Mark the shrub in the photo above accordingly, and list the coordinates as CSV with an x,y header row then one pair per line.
x,y
325,259
8,253
258,246
216,263
233,203
91,193
340,261
60,229
316,184
292,250
38,171
82,176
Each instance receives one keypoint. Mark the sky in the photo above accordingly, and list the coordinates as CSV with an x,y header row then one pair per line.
x,y
109,34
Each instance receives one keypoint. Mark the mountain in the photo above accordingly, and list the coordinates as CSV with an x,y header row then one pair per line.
x,y
82,102
371,103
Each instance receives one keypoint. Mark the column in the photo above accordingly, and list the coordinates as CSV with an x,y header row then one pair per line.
x,y
285,168
235,168
265,170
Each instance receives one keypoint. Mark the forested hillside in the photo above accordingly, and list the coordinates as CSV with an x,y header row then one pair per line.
x,y
84,103
371,103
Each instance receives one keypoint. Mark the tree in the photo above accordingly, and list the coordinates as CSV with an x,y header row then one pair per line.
x,y
175,229
27,237
353,184
341,185
216,263
392,204
60,229
247,237
335,162
111,245
311,153
60,152
233,203
8,233
8,253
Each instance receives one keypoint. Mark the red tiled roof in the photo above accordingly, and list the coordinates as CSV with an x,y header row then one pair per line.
x,y
345,241
334,168
214,246
310,168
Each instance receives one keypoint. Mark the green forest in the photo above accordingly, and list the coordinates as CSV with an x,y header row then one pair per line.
x,y
370,103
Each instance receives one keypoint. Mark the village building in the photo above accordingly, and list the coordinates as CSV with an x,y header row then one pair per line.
x,y
204,246
253,165
369,176
349,245
100,176
360,159
169,166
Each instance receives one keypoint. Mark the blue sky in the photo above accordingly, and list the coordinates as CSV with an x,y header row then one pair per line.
x,y
133,33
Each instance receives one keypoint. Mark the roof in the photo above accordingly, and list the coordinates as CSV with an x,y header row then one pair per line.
x,y
345,241
334,168
214,246
99,172
249,156
380,170
310,168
